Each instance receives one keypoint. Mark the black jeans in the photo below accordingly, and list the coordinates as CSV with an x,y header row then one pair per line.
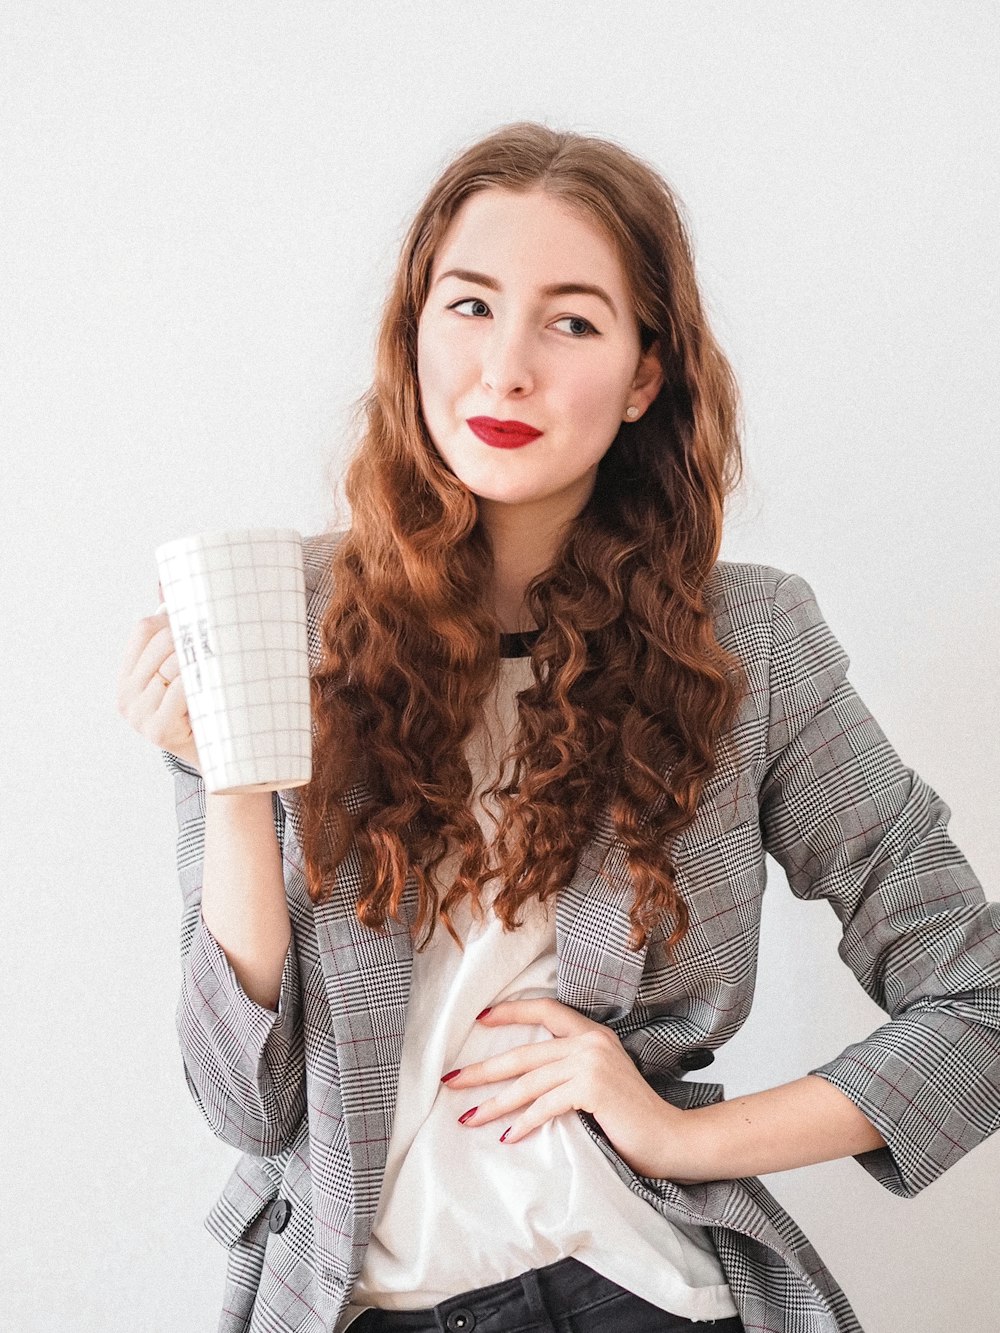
x,y
565,1297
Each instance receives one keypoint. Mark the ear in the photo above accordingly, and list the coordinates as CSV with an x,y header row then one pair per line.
x,y
648,378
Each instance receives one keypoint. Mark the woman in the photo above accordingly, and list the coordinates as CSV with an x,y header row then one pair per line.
x,y
444,997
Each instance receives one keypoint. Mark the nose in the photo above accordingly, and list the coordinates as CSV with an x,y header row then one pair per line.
x,y
507,362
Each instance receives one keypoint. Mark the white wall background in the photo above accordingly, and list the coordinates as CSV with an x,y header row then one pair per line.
x,y
203,203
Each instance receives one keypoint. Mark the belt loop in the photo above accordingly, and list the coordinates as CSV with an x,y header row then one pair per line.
x,y
532,1289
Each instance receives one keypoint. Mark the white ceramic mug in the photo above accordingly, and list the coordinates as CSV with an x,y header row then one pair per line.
x,y
237,608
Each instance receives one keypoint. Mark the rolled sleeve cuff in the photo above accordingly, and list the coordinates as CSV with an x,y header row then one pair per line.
x,y
919,1080
213,986
243,1061
177,765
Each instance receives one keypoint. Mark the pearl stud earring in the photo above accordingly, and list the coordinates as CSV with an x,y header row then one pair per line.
x,y
631,413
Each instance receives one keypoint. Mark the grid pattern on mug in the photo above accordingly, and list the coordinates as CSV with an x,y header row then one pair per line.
x,y
244,659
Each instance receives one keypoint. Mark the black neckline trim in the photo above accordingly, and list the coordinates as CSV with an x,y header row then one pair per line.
x,y
518,644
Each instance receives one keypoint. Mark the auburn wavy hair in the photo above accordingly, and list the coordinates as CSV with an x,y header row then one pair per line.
x,y
631,693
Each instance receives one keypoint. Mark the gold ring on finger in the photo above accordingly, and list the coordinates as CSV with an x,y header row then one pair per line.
x,y
163,678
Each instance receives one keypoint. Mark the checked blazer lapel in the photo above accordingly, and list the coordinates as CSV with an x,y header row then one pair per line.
x,y
367,976
598,974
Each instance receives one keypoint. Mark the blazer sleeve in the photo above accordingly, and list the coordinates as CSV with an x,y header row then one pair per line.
x,y
243,1064
849,822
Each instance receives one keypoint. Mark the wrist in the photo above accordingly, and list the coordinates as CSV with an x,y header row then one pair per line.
x,y
187,754
670,1144
696,1147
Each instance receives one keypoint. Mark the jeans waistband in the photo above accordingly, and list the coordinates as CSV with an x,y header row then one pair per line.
x,y
531,1300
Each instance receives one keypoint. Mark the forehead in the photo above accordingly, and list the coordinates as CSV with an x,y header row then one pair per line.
x,y
532,233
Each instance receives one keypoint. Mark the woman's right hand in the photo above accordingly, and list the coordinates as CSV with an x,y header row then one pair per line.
x,y
156,711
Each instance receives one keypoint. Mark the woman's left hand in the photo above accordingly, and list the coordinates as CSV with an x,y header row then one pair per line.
x,y
584,1068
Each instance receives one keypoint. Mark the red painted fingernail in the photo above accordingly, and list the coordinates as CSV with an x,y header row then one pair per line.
x,y
471,1112
452,1073
484,1013
503,1136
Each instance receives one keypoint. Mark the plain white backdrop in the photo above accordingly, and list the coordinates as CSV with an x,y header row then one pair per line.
x,y
203,203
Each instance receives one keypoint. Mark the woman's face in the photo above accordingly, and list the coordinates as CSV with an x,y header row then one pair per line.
x,y
528,319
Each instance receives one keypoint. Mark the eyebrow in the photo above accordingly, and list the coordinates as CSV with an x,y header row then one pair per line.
x,y
554,289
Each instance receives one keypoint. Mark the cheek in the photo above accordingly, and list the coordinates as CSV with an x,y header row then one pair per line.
x,y
438,368
425,362
435,390
597,394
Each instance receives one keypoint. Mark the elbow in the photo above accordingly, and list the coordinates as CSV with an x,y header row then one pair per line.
x,y
260,1127
244,1065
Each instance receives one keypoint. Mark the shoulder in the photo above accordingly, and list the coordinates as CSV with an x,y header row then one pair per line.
x,y
744,598
317,563
768,614
770,619
317,560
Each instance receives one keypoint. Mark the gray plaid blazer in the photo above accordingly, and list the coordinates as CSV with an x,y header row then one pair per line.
x,y
307,1092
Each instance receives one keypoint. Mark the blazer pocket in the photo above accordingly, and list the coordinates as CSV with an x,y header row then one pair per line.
x,y
247,1192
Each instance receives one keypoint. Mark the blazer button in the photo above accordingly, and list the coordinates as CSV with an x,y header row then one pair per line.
x,y
697,1058
277,1218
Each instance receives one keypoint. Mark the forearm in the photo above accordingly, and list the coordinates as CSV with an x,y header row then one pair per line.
x,y
796,1124
243,892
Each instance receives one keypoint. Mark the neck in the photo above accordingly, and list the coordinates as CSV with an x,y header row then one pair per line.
x,y
521,551
525,539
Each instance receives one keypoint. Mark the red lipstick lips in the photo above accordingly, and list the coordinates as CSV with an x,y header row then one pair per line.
x,y
503,434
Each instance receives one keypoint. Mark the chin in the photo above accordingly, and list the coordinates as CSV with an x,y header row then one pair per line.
x,y
500,490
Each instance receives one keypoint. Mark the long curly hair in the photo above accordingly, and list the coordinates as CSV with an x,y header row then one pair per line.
x,y
632,694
